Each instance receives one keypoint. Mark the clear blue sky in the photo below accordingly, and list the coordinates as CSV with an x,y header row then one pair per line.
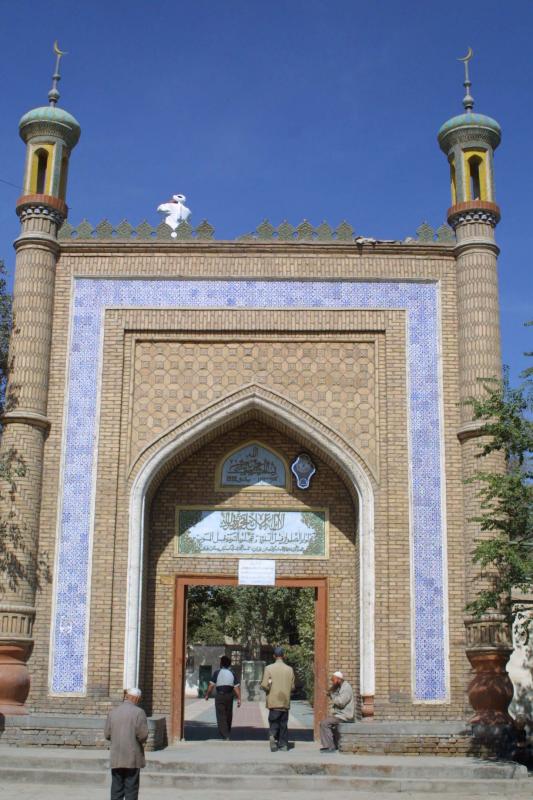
x,y
317,109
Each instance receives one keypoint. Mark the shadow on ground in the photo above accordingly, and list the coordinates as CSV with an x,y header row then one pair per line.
x,y
204,731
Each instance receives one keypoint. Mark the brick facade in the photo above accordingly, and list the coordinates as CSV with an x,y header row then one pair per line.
x,y
345,369
193,483
141,357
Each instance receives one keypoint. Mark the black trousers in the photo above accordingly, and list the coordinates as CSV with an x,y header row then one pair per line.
x,y
224,712
125,784
278,719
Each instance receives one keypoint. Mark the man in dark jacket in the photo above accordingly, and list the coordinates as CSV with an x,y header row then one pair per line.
x,y
127,728
225,684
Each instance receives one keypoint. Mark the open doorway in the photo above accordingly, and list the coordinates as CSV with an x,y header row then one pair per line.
x,y
214,618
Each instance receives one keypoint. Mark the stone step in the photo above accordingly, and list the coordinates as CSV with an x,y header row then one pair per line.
x,y
192,781
338,766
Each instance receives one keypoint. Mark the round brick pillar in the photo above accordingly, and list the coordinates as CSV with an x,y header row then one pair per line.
x,y
488,650
25,430
50,133
478,334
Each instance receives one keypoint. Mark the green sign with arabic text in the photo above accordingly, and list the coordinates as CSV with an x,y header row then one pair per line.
x,y
252,532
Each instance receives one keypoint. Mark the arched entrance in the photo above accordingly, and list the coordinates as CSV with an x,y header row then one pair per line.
x,y
182,585
354,593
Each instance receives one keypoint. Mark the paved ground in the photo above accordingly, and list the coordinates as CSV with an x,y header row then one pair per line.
x,y
250,721
18,791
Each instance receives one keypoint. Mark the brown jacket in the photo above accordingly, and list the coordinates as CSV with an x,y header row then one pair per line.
x,y
127,727
278,683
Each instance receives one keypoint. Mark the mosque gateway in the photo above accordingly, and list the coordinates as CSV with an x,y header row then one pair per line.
x,y
184,405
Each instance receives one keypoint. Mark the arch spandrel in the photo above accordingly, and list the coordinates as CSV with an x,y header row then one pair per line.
x,y
249,401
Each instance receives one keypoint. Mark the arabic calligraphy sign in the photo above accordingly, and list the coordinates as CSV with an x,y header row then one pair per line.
x,y
252,465
237,532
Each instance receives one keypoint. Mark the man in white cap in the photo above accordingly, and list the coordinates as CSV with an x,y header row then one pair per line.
x,y
341,695
127,728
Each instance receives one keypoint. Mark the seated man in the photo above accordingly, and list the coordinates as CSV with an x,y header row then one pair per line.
x,y
341,694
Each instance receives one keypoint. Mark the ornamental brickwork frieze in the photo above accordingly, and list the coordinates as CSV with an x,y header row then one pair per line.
x,y
173,380
16,621
305,232
467,136
474,215
491,631
428,235
40,211
43,130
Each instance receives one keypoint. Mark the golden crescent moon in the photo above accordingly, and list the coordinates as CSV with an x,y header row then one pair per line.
x,y
57,51
468,55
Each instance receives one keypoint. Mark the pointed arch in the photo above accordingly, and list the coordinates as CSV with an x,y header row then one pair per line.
x,y
161,456
236,407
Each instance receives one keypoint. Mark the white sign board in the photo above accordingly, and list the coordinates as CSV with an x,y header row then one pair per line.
x,y
257,572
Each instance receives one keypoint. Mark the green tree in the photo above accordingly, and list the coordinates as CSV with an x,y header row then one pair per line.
x,y
255,616
263,615
12,568
5,332
506,557
14,564
250,615
207,608
301,655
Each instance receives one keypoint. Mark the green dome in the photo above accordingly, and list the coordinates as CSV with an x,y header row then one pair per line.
x,y
471,120
50,119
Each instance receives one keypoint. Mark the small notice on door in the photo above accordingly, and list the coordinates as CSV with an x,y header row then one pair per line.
x,y
257,572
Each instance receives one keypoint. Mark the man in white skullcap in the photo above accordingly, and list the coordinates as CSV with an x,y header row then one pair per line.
x,y
341,695
127,728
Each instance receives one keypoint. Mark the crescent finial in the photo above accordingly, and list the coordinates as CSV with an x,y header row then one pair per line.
x,y
57,51
53,94
468,56
468,100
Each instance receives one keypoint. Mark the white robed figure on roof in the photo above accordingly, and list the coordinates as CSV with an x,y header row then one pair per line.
x,y
175,211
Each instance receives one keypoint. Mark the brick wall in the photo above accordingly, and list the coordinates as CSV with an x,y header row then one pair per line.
x,y
345,369
193,483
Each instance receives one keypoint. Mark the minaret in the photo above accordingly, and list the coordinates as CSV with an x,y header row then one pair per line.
x,y
50,133
469,141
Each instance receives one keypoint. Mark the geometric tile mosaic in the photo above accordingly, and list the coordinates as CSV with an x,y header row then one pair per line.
x,y
172,378
93,295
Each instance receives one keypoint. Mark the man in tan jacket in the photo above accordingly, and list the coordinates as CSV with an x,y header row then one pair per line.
x,y
127,727
278,683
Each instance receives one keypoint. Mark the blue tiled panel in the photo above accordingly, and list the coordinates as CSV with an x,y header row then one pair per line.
x,y
92,296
